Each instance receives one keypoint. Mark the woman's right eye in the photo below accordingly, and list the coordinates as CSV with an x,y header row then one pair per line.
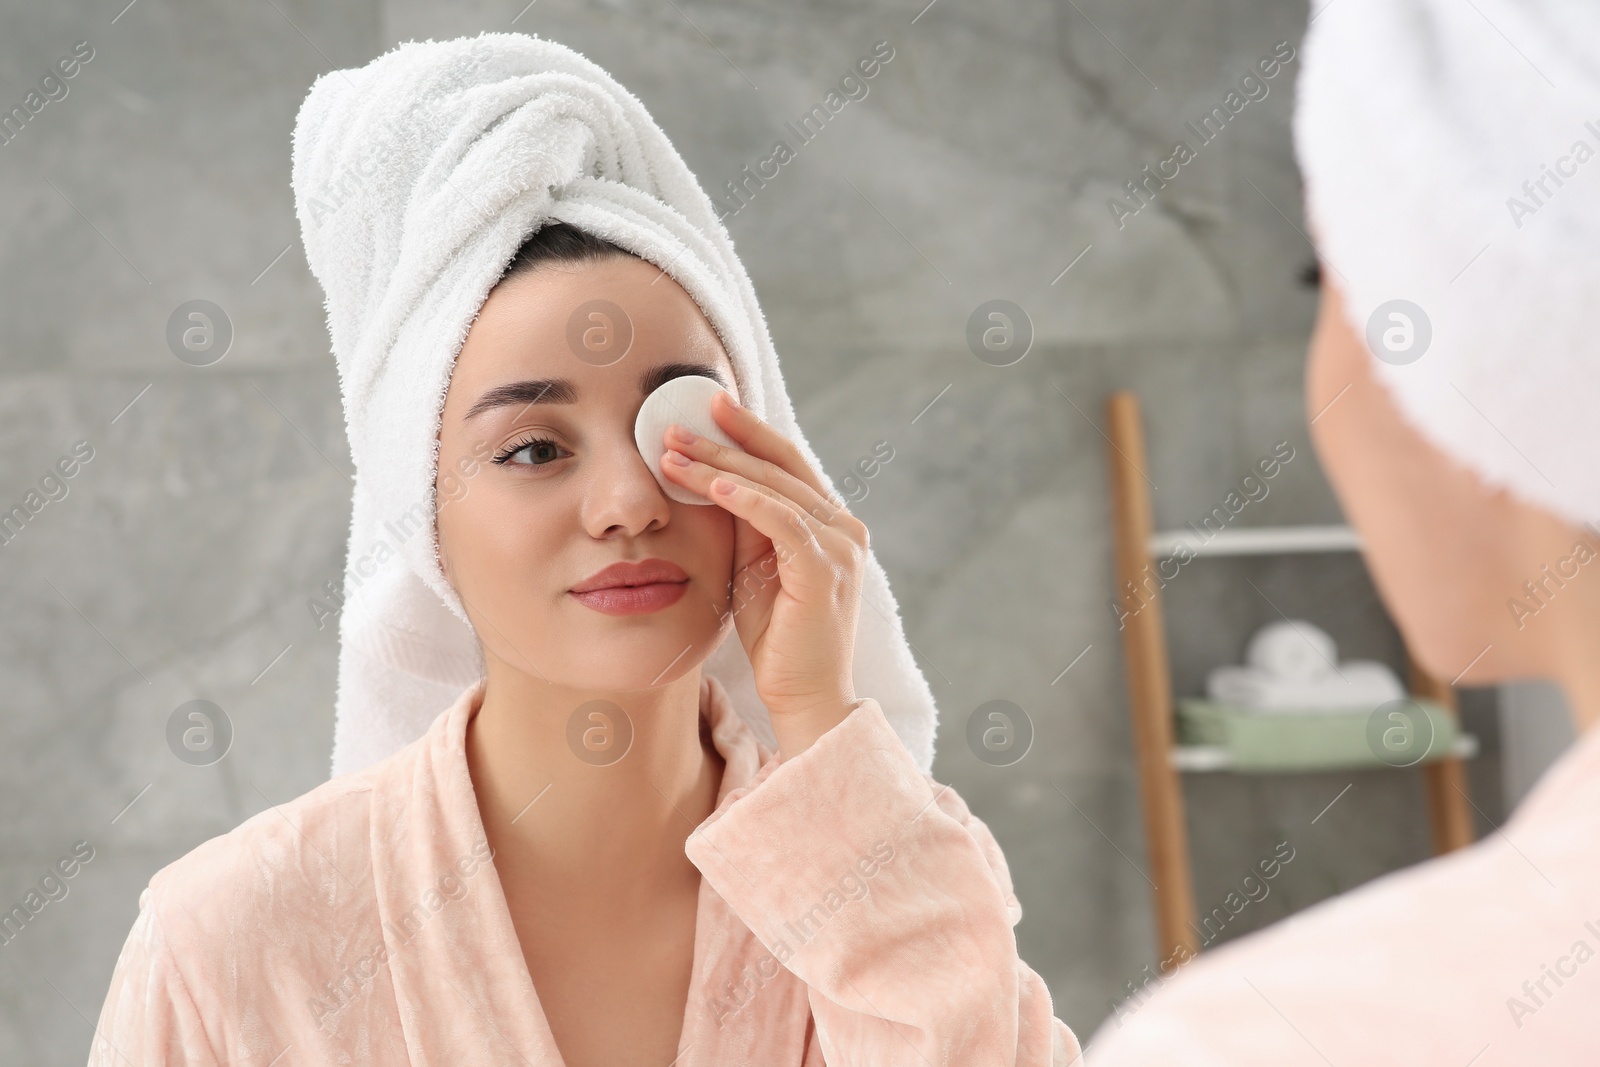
x,y
541,452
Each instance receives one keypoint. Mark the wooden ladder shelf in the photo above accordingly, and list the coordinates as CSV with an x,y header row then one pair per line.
x,y
1144,639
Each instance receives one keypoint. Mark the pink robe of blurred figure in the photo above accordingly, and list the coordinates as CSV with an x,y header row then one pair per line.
x,y
1488,956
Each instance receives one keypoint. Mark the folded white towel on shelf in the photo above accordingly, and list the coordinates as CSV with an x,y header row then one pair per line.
x,y
1292,666
1357,683
1292,650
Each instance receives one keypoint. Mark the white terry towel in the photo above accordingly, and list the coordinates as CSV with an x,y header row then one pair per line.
x,y
1292,649
1292,666
1358,683
416,178
1451,157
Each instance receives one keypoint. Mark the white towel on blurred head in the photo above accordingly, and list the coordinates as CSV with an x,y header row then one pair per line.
x,y
1451,157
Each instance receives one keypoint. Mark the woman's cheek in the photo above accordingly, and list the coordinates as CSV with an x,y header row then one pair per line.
x,y
712,546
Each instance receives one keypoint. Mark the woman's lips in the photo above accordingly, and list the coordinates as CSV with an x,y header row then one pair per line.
x,y
630,587
633,599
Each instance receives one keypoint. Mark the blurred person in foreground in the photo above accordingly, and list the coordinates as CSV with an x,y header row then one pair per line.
x,y
1449,157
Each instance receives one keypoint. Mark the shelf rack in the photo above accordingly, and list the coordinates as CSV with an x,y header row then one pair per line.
x,y
1149,677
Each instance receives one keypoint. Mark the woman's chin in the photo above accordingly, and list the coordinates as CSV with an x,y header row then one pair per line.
x,y
633,658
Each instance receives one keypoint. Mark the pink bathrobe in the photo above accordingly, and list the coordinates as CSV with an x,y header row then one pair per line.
x,y
1488,957
852,912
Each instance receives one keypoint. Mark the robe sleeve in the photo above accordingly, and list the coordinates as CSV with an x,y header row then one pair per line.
x,y
149,1017
879,889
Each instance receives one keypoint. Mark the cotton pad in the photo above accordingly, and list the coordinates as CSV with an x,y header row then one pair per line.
x,y
687,402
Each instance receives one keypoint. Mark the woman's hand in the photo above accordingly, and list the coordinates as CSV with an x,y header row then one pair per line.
x,y
798,561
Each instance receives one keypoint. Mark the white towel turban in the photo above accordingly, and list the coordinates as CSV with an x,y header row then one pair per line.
x,y
1451,155
416,178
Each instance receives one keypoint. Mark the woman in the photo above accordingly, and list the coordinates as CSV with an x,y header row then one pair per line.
x,y
1451,387
590,857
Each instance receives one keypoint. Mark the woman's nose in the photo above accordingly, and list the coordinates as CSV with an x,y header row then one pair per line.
x,y
622,493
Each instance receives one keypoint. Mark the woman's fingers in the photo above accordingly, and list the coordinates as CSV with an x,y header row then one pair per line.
x,y
794,535
764,443
771,465
709,458
701,477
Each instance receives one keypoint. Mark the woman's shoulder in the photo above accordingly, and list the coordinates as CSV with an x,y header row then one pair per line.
x,y
1425,957
256,932
288,868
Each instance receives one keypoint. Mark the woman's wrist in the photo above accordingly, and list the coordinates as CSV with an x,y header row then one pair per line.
x,y
796,731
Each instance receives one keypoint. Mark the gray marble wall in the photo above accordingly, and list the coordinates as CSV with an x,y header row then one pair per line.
x,y
207,505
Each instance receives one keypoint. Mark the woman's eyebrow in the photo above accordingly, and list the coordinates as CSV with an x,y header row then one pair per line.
x,y
656,377
533,391
564,391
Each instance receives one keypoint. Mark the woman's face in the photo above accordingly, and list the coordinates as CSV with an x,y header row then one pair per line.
x,y
557,489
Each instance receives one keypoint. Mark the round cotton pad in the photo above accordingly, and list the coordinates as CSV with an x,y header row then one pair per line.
x,y
687,402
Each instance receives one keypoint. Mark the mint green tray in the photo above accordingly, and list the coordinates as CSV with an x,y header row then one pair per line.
x,y
1222,736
